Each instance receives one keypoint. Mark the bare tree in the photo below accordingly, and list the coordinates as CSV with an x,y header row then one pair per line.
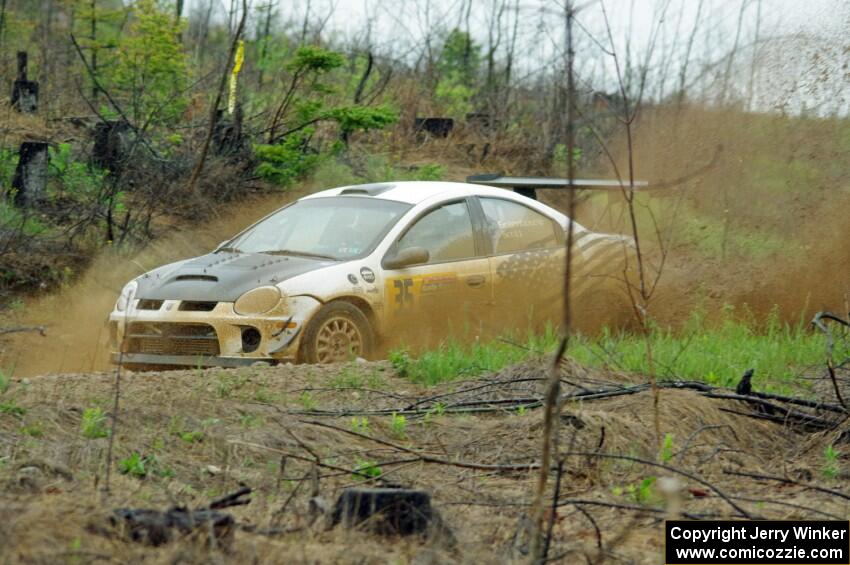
x,y
756,38
199,166
730,60
683,71
552,405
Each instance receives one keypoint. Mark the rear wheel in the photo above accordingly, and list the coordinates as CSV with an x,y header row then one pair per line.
x,y
339,332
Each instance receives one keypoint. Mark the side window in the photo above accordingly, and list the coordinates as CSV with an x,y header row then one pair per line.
x,y
513,227
445,232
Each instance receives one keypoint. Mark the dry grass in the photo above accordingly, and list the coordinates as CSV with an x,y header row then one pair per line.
x,y
212,430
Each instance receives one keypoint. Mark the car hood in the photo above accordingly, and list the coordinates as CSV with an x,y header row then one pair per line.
x,y
223,276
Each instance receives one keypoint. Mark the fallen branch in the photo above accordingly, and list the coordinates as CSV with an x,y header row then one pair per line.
x,y
830,346
787,481
429,458
789,505
232,499
669,468
638,508
42,330
813,421
362,474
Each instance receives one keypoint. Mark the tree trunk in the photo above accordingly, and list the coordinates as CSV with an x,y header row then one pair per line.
x,y
24,92
227,138
111,141
3,33
30,180
202,158
264,49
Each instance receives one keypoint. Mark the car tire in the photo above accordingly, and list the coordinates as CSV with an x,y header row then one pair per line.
x,y
337,333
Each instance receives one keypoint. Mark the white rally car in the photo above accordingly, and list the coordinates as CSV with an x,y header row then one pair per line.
x,y
337,274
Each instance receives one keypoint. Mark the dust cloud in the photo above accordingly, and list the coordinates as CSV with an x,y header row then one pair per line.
x,y
751,210
75,319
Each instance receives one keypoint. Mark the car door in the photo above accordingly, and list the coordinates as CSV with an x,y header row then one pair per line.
x,y
526,262
451,293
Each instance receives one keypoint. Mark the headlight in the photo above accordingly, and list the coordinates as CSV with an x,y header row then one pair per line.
x,y
257,301
127,295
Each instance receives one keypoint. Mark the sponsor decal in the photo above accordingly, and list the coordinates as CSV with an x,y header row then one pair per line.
x,y
367,274
352,279
435,283
404,292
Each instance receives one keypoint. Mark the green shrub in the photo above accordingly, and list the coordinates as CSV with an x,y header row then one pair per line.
x,y
366,470
306,400
361,118
667,448
643,492
136,466
8,163
248,420
12,409
288,161
831,466
93,425
398,425
360,425
33,430
13,219
75,179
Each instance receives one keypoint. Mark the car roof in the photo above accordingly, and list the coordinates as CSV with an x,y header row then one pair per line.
x,y
412,192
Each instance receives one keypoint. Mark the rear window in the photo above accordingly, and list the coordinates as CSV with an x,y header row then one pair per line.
x,y
513,227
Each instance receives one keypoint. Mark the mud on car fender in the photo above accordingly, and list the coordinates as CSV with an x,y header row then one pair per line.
x,y
346,329
169,334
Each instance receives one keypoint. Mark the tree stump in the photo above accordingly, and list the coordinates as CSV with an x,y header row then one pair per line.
x,y
24,92
112,141
227,135
30,180
438,127
386,511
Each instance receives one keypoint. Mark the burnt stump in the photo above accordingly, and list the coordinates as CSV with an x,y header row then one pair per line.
x,y
24,91
437,127
386,511
30,180
155,528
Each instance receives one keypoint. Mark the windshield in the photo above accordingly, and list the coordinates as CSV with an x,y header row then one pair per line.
x,y
338,228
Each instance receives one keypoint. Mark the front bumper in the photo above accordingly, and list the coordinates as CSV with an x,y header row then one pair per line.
x,y
169,333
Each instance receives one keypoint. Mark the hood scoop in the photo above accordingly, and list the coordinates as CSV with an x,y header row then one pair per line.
x,y
200,280
208,278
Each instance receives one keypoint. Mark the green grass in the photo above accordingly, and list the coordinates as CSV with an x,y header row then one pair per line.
x,y
715,353
12,409
453,359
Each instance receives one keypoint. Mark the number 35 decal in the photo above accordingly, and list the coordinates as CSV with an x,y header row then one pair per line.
x,y
403,295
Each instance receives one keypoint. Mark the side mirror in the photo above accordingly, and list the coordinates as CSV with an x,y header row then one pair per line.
x,y
407,257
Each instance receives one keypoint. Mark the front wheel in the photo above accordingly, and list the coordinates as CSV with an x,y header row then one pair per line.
x,y
339,332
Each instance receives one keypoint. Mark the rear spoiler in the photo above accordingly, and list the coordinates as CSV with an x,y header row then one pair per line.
x,y
527,186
